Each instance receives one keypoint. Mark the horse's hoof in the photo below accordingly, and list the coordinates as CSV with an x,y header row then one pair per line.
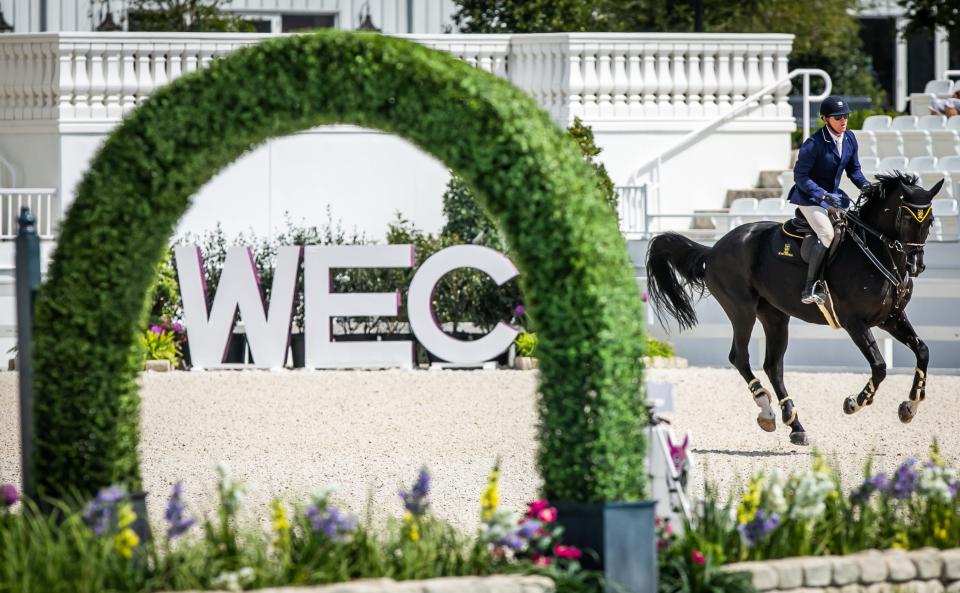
x,y
799,438
906,412
767,424
850,405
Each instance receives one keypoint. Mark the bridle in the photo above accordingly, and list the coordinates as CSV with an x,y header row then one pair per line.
x,y
913,252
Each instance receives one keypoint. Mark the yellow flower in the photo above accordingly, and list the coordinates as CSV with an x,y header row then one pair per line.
x,y
935,456
490,499
125,515
413,527
900,541
747,510
125,541
281,523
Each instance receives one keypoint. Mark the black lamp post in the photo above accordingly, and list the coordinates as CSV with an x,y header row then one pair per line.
x,y
106,22
366,22
5,27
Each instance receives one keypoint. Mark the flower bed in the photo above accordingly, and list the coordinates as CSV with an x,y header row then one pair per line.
x,y
98,545
811,514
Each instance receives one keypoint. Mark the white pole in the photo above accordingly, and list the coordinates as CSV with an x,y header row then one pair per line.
x,y
806,106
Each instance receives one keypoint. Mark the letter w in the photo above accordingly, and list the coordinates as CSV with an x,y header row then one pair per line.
x,y
268,334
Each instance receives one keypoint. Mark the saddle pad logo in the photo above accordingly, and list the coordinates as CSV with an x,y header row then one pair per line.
x,y
786,251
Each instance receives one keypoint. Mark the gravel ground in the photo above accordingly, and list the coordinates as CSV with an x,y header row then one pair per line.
x,y
288,434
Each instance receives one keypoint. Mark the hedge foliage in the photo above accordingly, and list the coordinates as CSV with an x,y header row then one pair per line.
x,y
528,173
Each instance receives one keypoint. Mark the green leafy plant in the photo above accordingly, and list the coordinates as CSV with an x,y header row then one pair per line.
x,y
526,171
160,344
526,344
660,348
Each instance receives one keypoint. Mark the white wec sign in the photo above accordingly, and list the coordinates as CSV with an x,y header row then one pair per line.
x,y
209,325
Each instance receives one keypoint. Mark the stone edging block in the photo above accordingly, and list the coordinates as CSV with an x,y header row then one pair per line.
x,y
489,584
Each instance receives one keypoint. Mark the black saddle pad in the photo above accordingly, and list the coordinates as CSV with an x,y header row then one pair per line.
x,y
787,244
795,240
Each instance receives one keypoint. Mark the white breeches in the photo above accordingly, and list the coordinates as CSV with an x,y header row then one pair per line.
x,y
820,223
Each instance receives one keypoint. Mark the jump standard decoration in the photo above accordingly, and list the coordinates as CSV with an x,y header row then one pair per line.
x,y
528,174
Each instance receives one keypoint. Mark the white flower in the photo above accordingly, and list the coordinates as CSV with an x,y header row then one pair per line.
x,y
812,489
776,501
935,481
234,581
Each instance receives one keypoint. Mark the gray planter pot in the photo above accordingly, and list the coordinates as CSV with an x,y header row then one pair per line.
x,y
623,538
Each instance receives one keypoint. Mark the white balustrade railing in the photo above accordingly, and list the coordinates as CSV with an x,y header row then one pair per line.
x,y
42,203
594,76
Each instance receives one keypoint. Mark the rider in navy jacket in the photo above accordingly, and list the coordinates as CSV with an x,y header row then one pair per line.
x,y
823,159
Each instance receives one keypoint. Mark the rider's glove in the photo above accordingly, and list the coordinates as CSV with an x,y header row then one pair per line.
x,y
834,213
835,200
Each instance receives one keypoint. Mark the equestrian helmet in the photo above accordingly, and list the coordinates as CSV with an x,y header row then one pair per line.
x,y
834,105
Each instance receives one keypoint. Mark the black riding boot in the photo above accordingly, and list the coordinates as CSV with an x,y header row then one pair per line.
x,y
812,292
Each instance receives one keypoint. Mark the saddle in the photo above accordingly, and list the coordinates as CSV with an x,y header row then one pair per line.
x,y
796,240
797,237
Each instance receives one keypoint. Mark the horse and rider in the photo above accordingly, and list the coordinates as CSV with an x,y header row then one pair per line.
x,y
755,271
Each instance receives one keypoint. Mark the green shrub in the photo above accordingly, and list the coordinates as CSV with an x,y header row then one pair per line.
x,y
657,347
576,273
526,344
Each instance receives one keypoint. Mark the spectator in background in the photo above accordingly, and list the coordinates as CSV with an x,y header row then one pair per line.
x,y
948,107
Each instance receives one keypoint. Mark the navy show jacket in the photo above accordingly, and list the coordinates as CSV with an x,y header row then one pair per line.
x,y
819,168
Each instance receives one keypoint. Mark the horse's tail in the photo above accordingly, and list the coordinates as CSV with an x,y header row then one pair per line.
x,y
671,256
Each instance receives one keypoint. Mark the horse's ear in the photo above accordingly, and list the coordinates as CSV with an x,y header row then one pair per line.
x,y
935,189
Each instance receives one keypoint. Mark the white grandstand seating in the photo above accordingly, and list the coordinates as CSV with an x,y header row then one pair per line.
x,y
943,142
915,141
741,210
889,141
954,123
950,165
938,87
892,163
927,169
786,182
869,164
865,137
946,220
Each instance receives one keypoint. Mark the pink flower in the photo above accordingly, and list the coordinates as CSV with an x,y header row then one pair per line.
x,y
644,296
697,557
541,560
668,529
571,552
548,515
537,506
156,329
662,544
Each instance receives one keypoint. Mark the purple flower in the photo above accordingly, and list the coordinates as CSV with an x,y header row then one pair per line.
x,y
100,511
156,329
8,496
528,529
512,541
178,522
755,531
178,327
875,483
904,480
330,521
415,501
644,297
519,310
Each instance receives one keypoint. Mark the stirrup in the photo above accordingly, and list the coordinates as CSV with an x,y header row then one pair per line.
x,y
816,296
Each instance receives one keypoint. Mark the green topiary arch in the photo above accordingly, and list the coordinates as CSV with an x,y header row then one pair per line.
x,y
528,174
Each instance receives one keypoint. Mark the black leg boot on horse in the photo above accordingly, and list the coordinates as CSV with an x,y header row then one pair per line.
x,y
813,290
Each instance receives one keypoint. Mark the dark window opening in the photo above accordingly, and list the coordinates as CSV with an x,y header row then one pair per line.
x,y
879,37
306,22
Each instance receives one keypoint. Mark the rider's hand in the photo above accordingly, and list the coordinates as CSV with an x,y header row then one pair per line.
x,y
835,200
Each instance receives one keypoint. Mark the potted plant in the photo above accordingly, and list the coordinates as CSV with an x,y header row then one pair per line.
x,y
160,349
526,344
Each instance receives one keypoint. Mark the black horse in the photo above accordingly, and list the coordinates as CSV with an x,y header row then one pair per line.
x,y
880,248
